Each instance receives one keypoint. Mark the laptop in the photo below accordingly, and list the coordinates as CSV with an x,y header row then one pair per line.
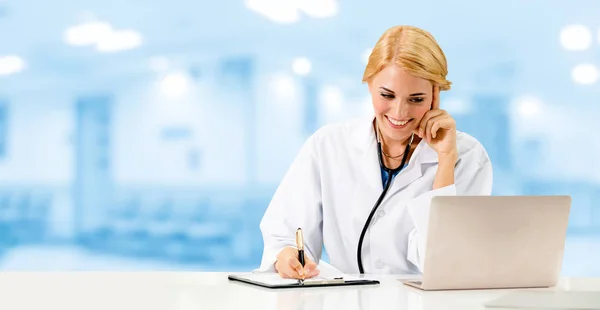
x,y
489,242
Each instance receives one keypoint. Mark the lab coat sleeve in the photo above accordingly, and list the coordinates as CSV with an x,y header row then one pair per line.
x,y
295,204
473,178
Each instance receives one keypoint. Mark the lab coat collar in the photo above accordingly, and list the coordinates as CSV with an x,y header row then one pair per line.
x,y
365,143
363,135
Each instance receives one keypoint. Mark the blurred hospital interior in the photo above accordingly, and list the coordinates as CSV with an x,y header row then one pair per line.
x,y
150,135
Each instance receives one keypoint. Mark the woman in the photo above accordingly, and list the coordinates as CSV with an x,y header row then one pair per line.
x,y
337,179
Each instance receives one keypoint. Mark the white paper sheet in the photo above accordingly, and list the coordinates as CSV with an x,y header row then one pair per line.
x,y
326,272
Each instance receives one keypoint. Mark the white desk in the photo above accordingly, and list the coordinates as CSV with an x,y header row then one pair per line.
x,y
199,291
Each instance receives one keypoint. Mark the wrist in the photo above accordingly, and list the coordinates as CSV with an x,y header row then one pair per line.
x,y
445,171
448,158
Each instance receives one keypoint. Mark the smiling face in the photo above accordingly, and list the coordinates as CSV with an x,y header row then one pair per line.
x,y
399,100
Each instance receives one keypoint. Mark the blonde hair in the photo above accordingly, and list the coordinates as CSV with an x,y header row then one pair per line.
x,y
413,49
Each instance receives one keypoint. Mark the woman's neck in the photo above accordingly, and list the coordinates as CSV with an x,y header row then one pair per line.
x,y
396,161
393,150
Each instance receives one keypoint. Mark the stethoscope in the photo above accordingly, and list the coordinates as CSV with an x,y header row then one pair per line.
x,y
390,173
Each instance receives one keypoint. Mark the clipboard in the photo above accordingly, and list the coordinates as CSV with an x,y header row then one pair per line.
x,y
274,281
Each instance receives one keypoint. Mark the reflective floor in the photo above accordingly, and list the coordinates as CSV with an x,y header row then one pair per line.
x,y
582,257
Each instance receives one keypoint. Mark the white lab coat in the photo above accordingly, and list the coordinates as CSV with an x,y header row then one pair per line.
x,y
333,184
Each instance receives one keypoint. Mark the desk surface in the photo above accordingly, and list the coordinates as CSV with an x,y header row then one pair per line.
x,y
199,290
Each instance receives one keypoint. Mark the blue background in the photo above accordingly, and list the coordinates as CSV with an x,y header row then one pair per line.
x,y
154,137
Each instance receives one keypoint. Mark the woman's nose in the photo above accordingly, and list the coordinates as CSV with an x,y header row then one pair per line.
x,y
400,109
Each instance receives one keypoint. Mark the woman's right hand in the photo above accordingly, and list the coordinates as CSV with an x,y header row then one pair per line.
x,y
288,266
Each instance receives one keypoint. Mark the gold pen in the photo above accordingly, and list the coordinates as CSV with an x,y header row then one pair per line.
x,y
300,245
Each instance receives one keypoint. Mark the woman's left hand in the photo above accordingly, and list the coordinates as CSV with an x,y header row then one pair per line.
x,y
438,129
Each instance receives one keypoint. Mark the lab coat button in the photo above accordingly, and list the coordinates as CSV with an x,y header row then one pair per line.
x,y
381,213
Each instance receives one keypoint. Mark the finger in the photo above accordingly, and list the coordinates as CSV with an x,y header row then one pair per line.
x,y
435,104
422,123
289,273
310,268
283,269
286,271
434,128
283,274
296,266
426,117
446,123
430,132
416,132
310,264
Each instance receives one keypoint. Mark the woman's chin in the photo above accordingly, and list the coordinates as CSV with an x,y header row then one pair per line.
x,y
401,135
